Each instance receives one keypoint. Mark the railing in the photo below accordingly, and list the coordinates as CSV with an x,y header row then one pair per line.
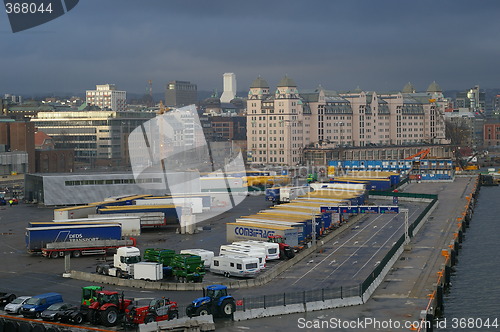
x,y
302,297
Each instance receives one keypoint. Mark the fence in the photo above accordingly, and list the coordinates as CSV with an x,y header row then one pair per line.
x,y
302,297
344,291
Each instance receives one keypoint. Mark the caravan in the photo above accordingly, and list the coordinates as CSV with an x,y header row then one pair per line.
x,y
206,255
234,265
272,250
235,250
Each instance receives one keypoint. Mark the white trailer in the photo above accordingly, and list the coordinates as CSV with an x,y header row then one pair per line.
x,y
147,218
272,249
206,255
195,203
288,194
239,251
234,265
74,212
131,226
147,271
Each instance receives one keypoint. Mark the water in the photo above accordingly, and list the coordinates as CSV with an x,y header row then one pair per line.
x,y
474,297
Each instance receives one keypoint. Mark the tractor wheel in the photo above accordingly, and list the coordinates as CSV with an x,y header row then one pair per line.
x,y
78,319
202,311
149,319
92,317
109,317
290,254
77,253
282,254
174,314
227,308
190,311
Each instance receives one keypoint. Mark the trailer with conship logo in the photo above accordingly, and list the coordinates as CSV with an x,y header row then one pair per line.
x,y
238,231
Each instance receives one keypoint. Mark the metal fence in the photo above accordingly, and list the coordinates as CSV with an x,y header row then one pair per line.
x,y
302,297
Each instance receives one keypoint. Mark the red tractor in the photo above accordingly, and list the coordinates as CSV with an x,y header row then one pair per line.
x,y
108,308
285,249
158,310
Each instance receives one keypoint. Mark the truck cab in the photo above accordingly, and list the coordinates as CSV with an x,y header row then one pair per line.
x,y
124,258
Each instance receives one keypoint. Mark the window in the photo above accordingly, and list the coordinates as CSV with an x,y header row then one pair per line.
x,y
216,262
249,266
238,266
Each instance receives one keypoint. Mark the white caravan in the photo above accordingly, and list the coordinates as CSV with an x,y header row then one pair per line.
x,y
234,265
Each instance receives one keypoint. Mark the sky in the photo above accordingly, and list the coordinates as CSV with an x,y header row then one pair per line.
x,y
376,45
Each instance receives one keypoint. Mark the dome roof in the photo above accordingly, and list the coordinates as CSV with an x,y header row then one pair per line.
x,y
434,87
259,83
287,81
408,88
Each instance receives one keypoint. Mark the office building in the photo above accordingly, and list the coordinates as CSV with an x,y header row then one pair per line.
x,y
17,144
181,93
229,92
107,97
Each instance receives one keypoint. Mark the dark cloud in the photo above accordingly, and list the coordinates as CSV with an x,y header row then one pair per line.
x,y
377,45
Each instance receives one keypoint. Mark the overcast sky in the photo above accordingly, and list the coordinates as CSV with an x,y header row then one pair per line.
x,y
378,45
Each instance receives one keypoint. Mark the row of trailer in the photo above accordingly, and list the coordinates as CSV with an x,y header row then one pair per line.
x,y
298,219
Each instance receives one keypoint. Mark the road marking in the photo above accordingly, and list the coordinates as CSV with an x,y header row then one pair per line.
x,y
334,251
383,245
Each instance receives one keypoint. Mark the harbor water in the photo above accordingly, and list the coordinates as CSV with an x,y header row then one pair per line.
x,y
472,303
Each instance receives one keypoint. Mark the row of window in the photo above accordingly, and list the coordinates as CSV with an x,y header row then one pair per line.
x,y
113,181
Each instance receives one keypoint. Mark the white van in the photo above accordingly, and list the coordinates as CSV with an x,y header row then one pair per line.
x,y
272,249
234,265
240,251
206,255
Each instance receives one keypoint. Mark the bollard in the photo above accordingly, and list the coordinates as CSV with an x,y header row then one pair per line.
x,y
447,275
430,318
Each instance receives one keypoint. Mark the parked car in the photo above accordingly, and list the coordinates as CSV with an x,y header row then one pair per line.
x,y
56,311
15,306
38,303
3,201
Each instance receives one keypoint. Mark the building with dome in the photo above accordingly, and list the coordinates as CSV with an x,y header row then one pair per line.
x,y
282,124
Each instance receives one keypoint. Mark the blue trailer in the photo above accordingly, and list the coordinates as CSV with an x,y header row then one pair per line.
x,y
79,239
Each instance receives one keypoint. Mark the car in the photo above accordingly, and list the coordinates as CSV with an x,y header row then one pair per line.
x,y
15,306
38,303
3,201
56,310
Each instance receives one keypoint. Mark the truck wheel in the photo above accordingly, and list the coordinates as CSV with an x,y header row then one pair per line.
x,y
77,253
173,314
54,254
109,317
202,311
149,319
227,308
99,269
119,274
78,319
190,310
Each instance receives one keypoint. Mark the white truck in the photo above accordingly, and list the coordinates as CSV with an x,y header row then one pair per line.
x,y
206,255
228,250
272,249
127,264
234,265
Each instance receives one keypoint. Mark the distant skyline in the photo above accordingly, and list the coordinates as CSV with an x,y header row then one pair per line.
x,y
376,45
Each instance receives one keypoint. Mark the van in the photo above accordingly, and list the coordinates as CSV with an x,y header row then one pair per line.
x,y
38,303
241,251
272,249
234,265
206,255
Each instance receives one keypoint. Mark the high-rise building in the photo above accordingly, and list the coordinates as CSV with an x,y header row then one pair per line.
x,y
229,92
19,136
280,126
473,99
107,97
181,93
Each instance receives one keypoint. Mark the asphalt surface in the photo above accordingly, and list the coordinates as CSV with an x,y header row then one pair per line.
x,y
347,260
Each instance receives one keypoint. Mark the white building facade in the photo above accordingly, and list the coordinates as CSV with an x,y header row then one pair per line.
x,y
279,126
107,97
